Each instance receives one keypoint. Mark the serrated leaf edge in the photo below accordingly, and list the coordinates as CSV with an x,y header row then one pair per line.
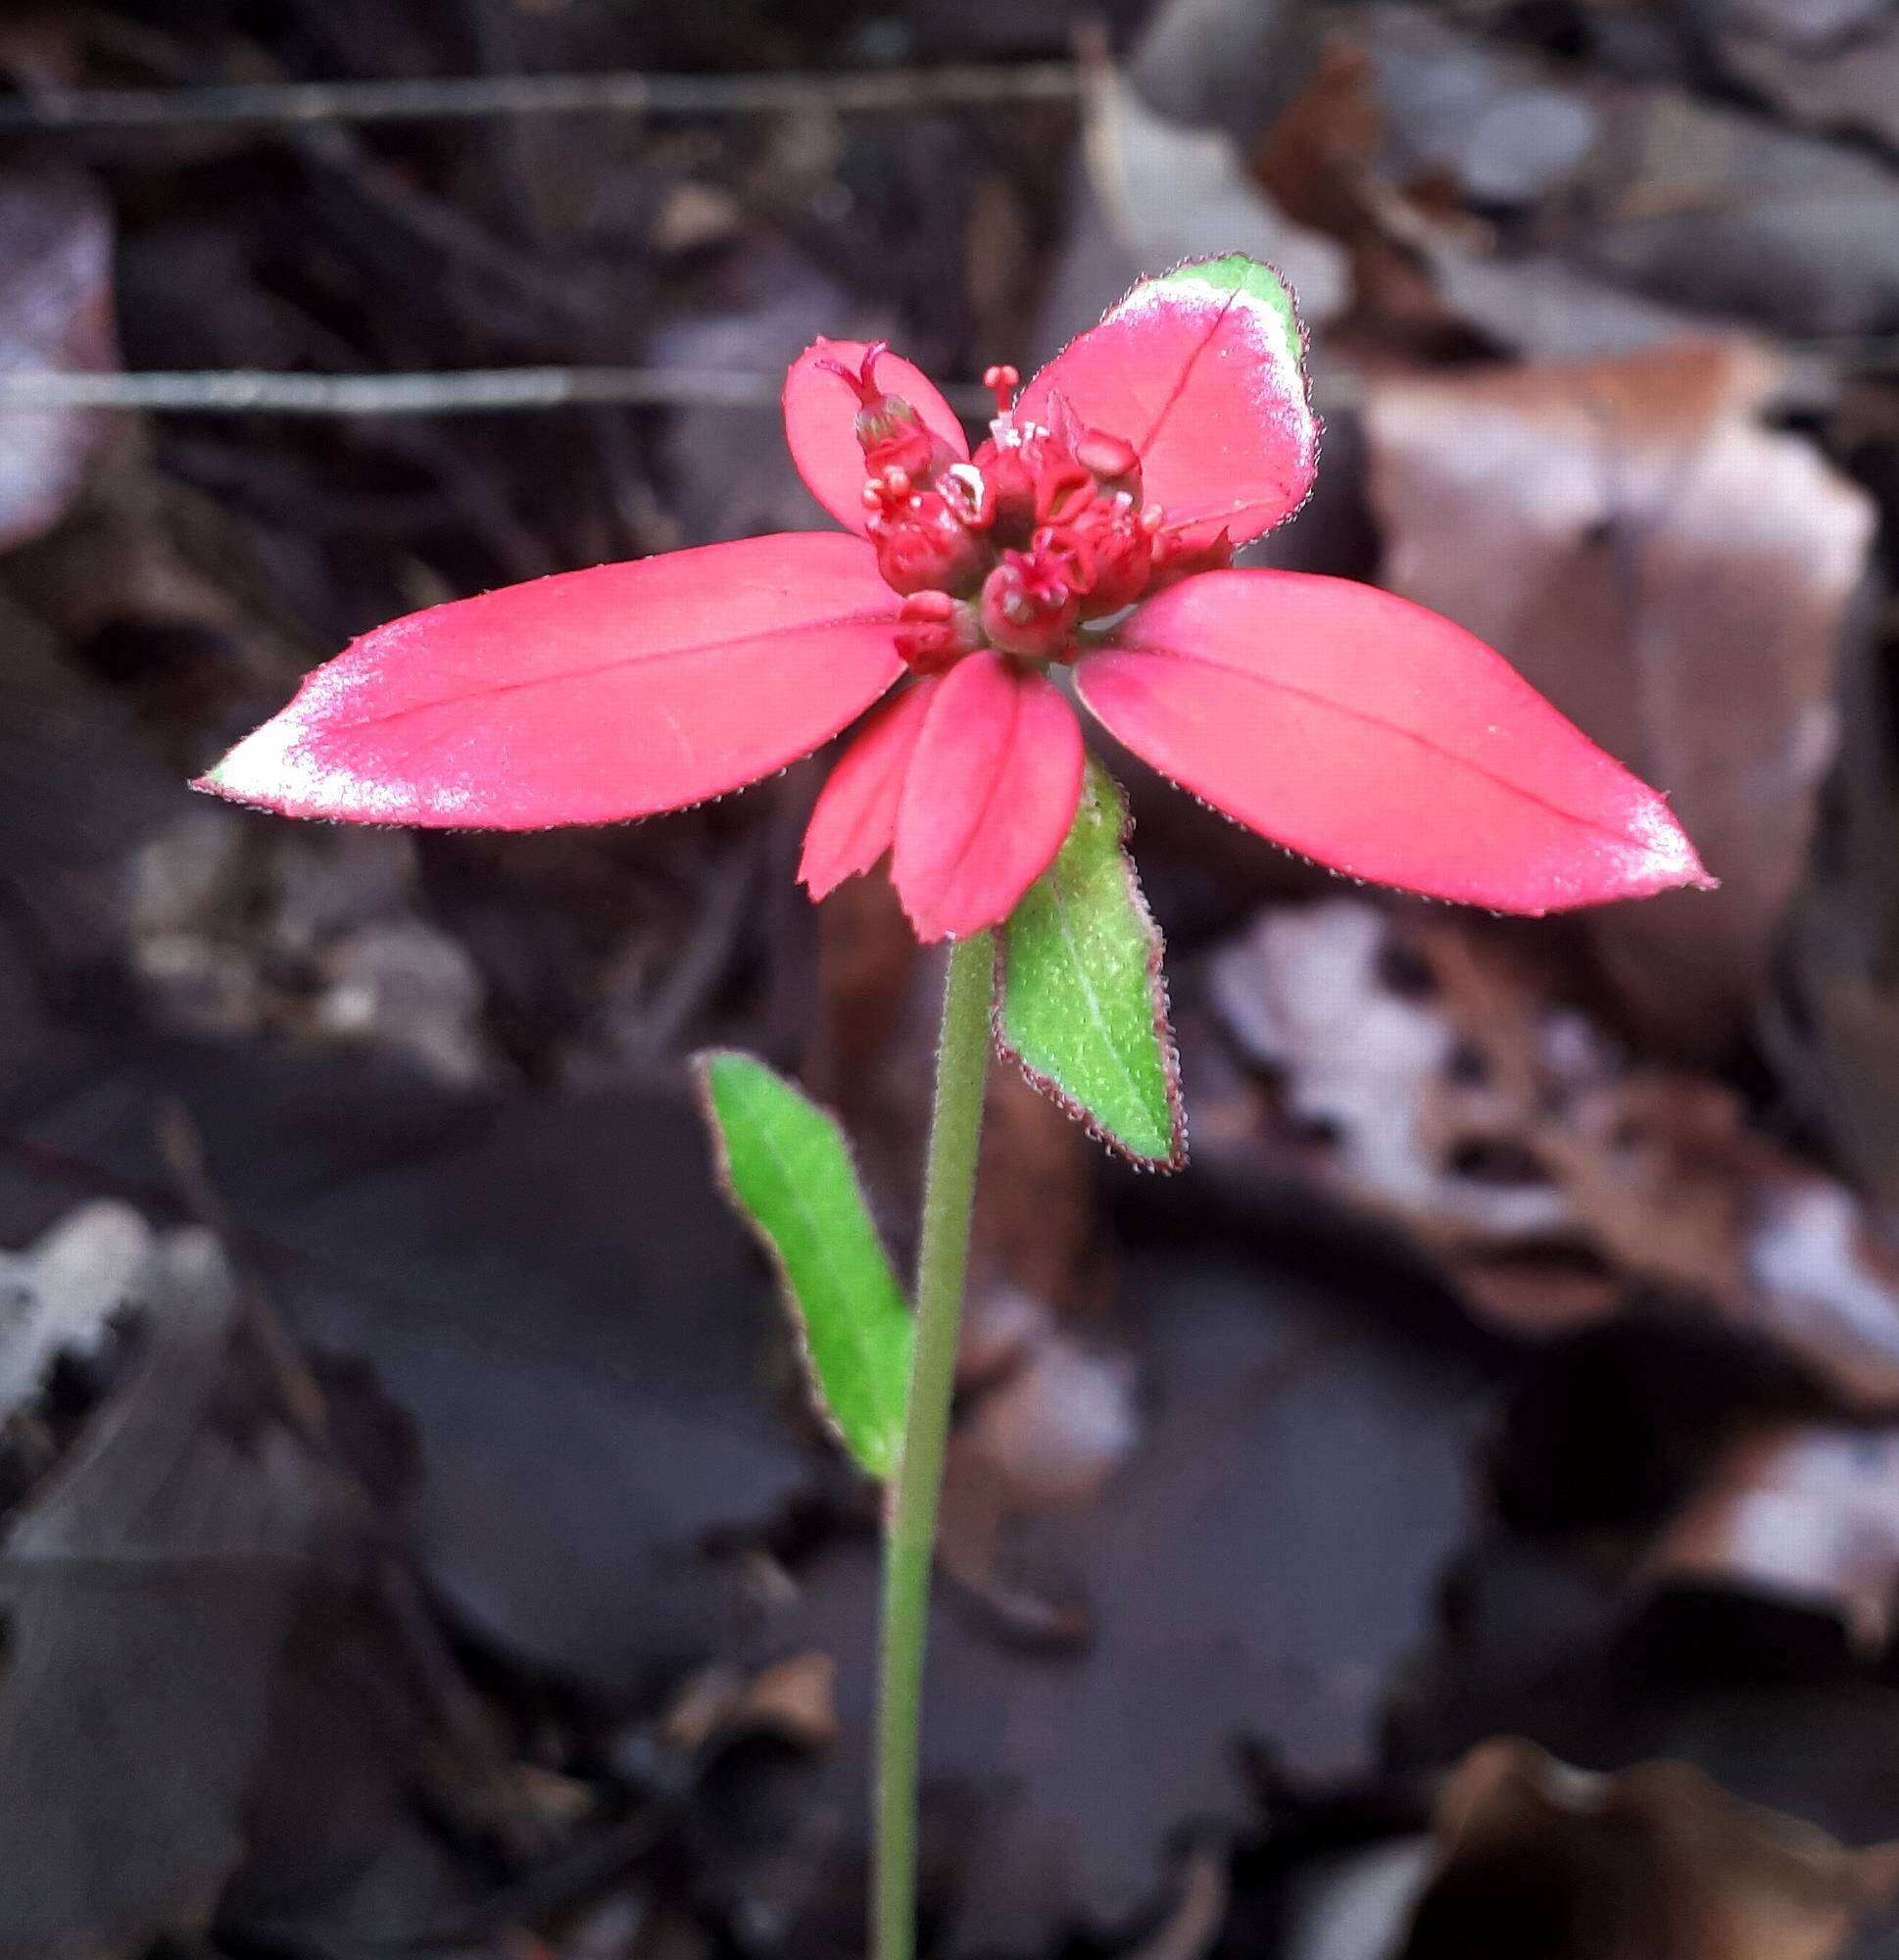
x,y
701,1062
1303,360
1076,1111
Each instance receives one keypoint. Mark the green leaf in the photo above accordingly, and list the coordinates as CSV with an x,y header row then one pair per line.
x,y
1252,283
1083,1008
788,1166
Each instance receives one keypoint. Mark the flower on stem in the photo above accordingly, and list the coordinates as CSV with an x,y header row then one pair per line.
x,y
1092,530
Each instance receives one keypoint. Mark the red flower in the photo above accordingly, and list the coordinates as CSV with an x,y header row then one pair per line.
x,y
1091,530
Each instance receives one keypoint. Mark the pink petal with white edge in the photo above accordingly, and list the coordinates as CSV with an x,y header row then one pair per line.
x,y
855,816
584,698
988,796
1381,740
1203,370
821,420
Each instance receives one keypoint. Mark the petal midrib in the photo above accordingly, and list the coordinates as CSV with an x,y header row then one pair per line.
x,y
1186,374
951,867
1370,720
658,657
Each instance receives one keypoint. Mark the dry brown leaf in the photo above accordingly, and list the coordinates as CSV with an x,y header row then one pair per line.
x,y
170,1547
1828,65
1322,162
1798,1513
1421,1068
1166,188
1051,1419
59,1297
1656,1863
56,240
1693,205
1833,1021
1675,576
793,1697
1222,1606
1195,1924
796,1698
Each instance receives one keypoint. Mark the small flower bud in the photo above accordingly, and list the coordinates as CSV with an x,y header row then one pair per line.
x,y
1027,607
896,443
924,545
1063,489
1111,553
890,432
1111,460
1008,470
935,631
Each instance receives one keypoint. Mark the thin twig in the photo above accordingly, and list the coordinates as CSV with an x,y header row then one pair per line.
x,y
470,391
619,92
473,390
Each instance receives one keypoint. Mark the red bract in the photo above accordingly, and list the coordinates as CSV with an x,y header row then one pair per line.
x,y
1092,530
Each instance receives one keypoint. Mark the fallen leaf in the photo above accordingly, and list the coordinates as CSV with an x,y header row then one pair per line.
x,y
1202,81
1232,65
1221,1608
1691,204
1809,1514
1324,161
1656,1863
1171,191
589,1444
1672,575
60,1296
1047,1420
56,241
1199,1912
729,472
1354,1907
1831,1019
1422,1068
1825,64
169,1550
82,794
791,1699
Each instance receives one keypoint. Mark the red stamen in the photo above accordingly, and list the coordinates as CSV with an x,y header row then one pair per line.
x,y
1001,382
863,383
1111,458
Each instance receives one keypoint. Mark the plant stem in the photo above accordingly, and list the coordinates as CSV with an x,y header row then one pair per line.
x,y
943,1258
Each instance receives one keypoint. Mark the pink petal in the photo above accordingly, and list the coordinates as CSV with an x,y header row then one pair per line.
x,y
856,815
584,698
1381,740
821,416
1204,371
988,796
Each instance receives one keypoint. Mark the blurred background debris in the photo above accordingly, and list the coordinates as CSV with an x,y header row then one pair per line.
x,y
1459,1516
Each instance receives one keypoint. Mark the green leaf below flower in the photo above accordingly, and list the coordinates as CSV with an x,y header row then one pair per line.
x,y
788,1167
1083,1005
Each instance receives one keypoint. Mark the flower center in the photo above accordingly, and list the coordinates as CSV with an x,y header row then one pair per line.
x,y
1041,530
